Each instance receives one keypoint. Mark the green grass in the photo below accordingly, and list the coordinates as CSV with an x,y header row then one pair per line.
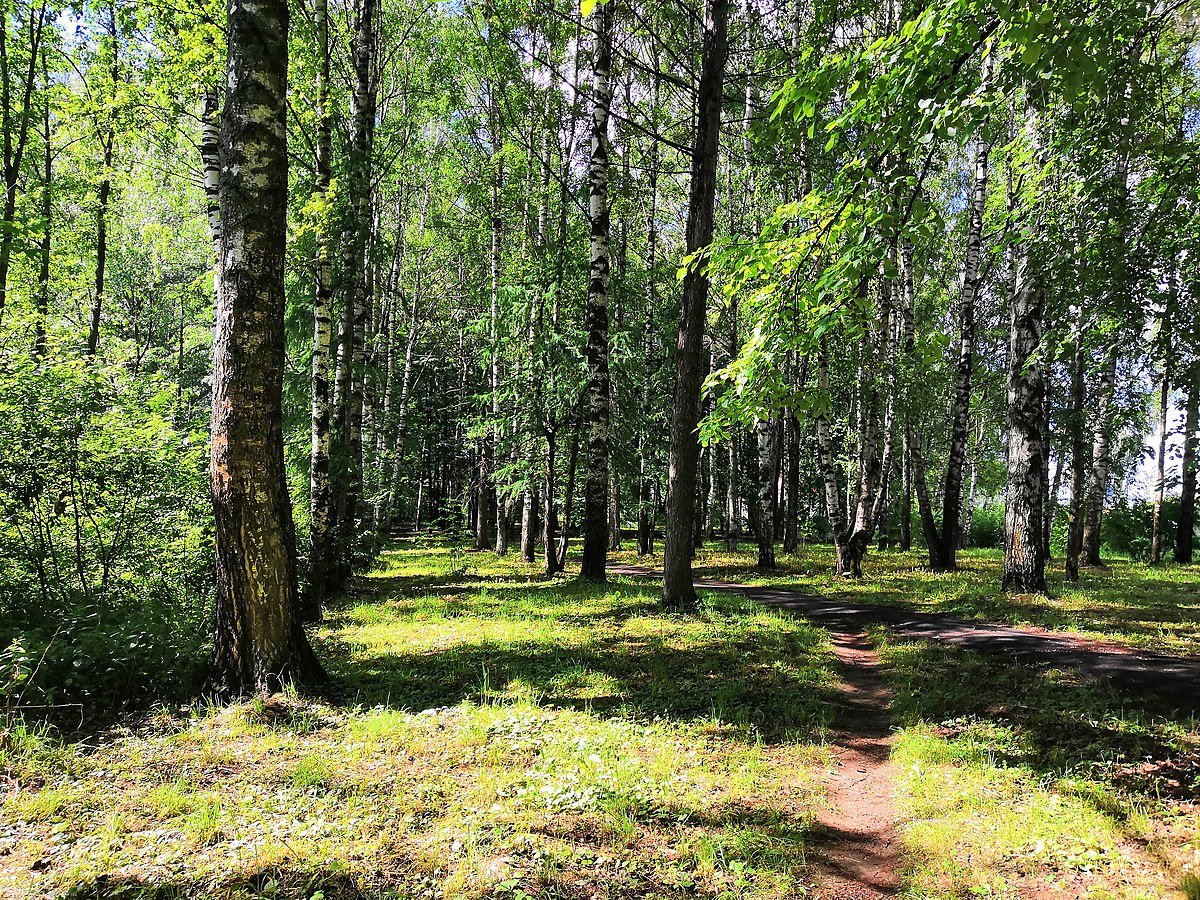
x,y
1155,607
1012,777
498,734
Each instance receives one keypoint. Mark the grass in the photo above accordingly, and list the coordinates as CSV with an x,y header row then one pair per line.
x,y
1153,607
498,734
1011,777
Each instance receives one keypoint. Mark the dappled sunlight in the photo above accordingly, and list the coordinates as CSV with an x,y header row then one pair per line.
x,y
483,731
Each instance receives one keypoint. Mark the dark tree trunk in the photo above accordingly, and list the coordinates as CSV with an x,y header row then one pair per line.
x,y
42,312
1075,424
678,590
102,197
1160,479
944,558
1185,533
1024,556
599,401
564,537
792,510
350,512
646,511
906,499
260,644
16,133
764,434
550,512
825,458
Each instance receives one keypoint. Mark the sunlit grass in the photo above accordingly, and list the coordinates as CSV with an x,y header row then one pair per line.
x,y
1012,779
1156,607
500,734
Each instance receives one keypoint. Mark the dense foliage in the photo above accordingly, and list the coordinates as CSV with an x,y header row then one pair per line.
x,y
892,179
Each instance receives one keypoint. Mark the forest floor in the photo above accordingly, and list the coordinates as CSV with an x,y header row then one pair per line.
x,y
497,734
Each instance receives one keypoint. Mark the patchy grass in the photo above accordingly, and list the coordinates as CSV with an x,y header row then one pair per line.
x,y
1155,607
499,735
1014,779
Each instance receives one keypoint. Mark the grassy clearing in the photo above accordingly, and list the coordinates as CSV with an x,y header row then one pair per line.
x,y
1155,607
500,735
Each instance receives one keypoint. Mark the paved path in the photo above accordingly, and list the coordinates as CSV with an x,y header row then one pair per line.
x,y
1174,679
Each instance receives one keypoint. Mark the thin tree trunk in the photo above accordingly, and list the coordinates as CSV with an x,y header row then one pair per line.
x,y
1101,445
678,590
103,194
764,434
320,497
1185,533
260,643
550,513
792,511
564,538
942,558
1078,457
42,311
15,133
828,465
358,271
1160,475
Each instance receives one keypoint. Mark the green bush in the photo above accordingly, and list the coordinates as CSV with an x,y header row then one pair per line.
x,y
987,526
105,555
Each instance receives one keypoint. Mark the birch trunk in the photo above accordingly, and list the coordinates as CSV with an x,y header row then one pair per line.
x,y
599,400
320,497
259,644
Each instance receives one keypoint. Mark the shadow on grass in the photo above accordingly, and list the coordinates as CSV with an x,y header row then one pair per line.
x,y
1126,600
1057,724
268,882
571,648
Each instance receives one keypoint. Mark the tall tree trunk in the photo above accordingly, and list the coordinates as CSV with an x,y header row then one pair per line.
x,y
1075,425
1185,533
1024,558
1101,447
564,536
550,512
42,312
1160,475
260,643
792,510
906,498
645,470
732,467
358,272
15,130
764,434
498,499
102,197
320,497
599,388
678,590
828,464
943,558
